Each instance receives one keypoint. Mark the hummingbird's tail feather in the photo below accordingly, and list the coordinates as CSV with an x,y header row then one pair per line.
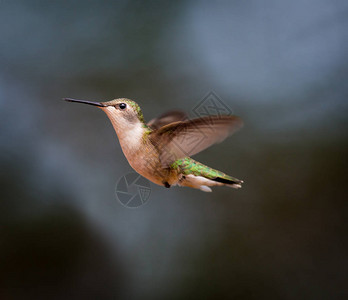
x,y
203,183
199,176
233,182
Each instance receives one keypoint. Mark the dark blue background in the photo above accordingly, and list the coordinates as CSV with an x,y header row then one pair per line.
x,y
281,66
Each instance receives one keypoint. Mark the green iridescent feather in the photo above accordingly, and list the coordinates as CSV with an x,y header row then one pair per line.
x,y
190,166
131,103
136,107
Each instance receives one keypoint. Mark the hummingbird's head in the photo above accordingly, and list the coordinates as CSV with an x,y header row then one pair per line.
x,y
126,118
125,110
122,112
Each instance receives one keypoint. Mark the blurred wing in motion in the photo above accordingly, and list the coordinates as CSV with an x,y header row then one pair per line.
x,y
181,139
167,118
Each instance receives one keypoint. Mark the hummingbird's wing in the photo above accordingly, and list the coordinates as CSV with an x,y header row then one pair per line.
x,y
167,118
181,139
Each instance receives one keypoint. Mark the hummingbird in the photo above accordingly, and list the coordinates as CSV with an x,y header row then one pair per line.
x,y
160,150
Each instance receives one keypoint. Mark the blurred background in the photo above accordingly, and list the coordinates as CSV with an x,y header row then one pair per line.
x,y
281,66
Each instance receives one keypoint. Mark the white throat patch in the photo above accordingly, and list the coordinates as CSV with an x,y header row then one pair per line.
x,y
129,134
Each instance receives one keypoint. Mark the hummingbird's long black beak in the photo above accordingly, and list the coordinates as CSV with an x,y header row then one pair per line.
x,y
86,102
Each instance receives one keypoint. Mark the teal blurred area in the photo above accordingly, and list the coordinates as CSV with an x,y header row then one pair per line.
x,y
281,66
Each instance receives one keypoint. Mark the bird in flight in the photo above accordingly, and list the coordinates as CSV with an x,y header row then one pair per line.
x,y
160,150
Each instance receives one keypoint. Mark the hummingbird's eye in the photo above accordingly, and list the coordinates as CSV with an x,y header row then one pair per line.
x,y
122,105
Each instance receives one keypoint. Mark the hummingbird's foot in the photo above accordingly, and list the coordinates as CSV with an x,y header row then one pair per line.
x,y
166,184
